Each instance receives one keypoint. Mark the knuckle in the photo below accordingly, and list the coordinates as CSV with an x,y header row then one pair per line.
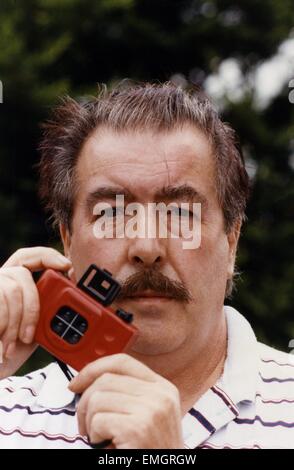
x,y
20,253
49,253
81,411
132,432
33,249
89,372
21,270
3,320
105,378
96,422
23,253
169,402
53,251
147,423
34,308
12,333
29,321
33,313
2,300
14,289
175,393
122,357
3,315
94,399
172,389
24,273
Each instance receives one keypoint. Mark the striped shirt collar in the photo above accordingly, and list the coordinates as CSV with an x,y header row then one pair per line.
x,y
241,369
238,383
216,407
55,393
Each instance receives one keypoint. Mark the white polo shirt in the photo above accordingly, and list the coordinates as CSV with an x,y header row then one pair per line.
x,y
250,406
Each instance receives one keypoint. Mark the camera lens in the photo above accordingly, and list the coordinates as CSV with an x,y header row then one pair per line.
x,y
72,337
66,314
68,324
58,326
80,324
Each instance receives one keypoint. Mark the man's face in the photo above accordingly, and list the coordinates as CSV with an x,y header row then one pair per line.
x,y
141,164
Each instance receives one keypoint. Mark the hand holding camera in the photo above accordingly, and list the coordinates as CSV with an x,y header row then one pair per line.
x,y
20,305
70,322
123,402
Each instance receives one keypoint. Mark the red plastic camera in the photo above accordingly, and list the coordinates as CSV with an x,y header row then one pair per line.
x,y
75,325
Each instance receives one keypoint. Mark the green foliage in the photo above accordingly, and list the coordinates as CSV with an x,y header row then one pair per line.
x,y
53,47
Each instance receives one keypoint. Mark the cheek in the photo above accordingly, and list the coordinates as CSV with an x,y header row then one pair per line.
x,y
212,256
205,266
87,249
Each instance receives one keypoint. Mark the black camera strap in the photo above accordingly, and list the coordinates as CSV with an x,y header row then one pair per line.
x,y
69,375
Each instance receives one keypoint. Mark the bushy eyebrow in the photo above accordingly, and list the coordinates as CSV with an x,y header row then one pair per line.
x,y
107,192
168,193
182,193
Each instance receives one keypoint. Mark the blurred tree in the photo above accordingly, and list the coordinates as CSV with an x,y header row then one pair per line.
x,y
53,47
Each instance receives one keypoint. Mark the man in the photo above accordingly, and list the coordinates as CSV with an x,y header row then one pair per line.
x,y
196,375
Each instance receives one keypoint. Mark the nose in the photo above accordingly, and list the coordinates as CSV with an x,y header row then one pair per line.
x,y
145,252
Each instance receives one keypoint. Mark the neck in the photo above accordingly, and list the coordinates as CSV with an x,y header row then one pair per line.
x,y
193,374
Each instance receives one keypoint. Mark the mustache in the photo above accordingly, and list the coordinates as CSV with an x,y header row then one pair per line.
x,y
156,281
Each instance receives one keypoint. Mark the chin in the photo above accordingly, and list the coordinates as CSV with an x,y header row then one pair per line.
x,y
155,339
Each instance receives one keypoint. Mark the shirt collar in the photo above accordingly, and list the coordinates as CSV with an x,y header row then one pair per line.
x,y
238,383
55,393
241,367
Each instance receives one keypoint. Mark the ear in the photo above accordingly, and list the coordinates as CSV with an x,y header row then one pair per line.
x,y
233,238
66,239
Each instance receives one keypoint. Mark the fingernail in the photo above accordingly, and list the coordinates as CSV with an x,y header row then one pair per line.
x,y
10,350
28,334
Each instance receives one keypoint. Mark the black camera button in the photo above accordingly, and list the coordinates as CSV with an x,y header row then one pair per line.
x,y
72,337
66,314
58,326
80,324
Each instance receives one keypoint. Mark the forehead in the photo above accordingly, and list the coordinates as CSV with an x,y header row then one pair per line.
x,y
144,161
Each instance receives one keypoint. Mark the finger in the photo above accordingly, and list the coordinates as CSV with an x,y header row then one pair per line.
x,y
117,364
121,394
111,402
105,426
110,382
31,302
4,316
72,276
38,258
13,298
